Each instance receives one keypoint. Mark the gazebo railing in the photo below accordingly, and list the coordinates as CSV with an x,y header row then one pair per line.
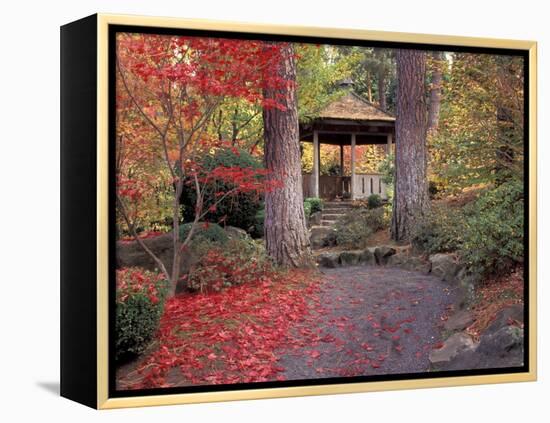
x,y
331,187
366,184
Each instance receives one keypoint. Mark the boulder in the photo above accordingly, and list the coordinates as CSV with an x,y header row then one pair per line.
x,y
452,347
315,218
505,343
397,260
330,260
444,266
466,288
131,254
322,236
505,317
408,262
500,345
235,233
459,321
350,258
367,258
383,253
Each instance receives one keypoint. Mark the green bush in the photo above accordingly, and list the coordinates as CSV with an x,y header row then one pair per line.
x,y
140,299
238,262
307,209
440,230
493,231
374,201
238,210
211,232
354,229
315,204
487,233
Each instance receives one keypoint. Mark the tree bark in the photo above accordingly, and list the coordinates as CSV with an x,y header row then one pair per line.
x,y
411,184
382,89
286,234
435,92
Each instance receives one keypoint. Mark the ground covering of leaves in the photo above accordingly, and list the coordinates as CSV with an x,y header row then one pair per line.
x,y
298,325
494,295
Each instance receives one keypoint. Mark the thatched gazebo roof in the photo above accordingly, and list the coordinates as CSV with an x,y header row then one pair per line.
x,y
350,113
354,107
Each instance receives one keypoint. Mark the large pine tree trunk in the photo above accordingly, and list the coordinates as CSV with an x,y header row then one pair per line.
x,y
286,234
411,184
382,89
435,91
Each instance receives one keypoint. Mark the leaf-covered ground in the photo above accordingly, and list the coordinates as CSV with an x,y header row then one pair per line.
x,y
344,322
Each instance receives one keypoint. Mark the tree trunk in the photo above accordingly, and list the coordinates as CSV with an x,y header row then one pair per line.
x,y
435,91
286,235
382,89
411,185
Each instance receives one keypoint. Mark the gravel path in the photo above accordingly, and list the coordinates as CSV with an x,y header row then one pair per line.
x,y
373,320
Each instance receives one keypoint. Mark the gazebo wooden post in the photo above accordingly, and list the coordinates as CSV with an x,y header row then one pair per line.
x,y
315,171
353,166
341,159
390,139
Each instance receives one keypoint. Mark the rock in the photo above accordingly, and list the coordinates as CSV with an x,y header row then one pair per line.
x,y
466,285
408,262
329,260
367,258
315,218
445,266
500,345
383,253
235,233
397,260
459,321
350,258
454,345
513,313
507,341
322,236
419,265
131,254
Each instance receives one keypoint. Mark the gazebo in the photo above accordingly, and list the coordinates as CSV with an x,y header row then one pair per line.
x,y
350,120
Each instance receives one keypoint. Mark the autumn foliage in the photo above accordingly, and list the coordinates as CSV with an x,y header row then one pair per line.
x,y
230,336
168,89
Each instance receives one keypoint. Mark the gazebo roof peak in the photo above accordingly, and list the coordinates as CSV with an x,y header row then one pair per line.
x,y
352,106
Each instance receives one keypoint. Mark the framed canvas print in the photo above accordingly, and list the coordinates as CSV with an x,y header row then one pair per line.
x,y
254,211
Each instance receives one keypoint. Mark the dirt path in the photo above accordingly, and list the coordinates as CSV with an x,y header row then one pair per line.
x,y
374,320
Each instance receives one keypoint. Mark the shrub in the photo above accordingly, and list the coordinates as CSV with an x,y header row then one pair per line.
x,y
487,233
439,231
204,231
374,201
307,209
315,204
354,229
240,261
140,299
493,232
237,210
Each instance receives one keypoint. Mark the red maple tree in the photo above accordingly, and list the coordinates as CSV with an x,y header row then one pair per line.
x,y
168,89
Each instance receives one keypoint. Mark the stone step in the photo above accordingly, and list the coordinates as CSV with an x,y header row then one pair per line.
x,y
336,209
337,204
327,222
333,216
